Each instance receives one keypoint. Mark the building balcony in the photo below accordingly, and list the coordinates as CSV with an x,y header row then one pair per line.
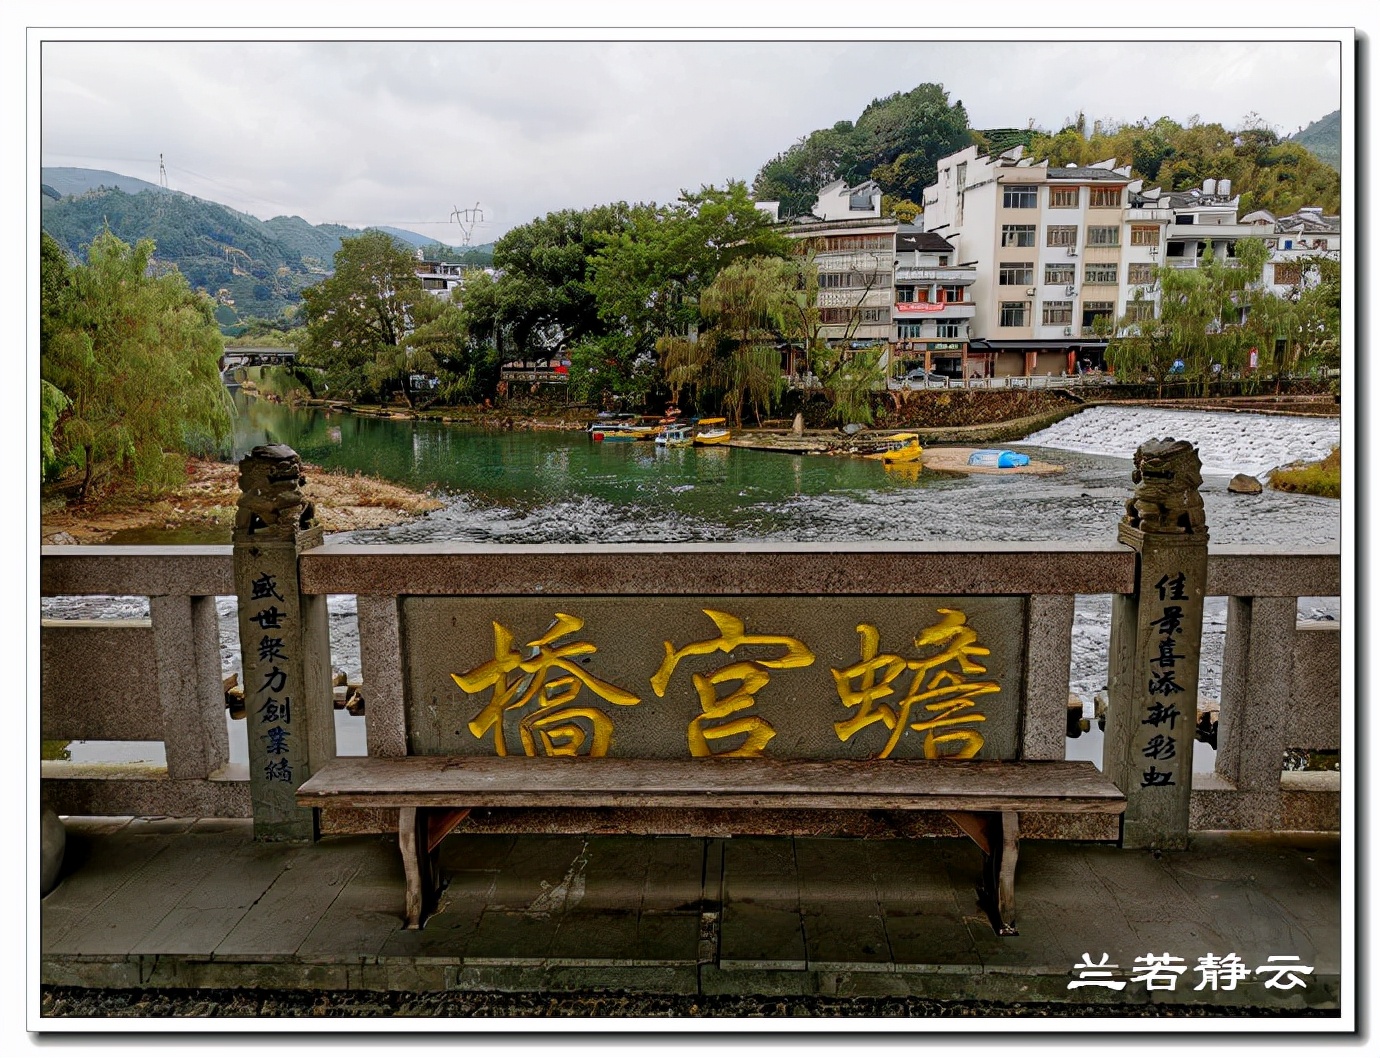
x,y
936,274
1163,216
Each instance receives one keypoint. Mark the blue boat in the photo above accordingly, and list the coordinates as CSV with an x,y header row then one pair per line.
x,y
997,457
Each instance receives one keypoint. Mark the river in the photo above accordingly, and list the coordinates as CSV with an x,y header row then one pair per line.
x,y
554,487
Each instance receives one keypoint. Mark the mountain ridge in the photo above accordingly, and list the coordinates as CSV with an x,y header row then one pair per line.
x,y
252,267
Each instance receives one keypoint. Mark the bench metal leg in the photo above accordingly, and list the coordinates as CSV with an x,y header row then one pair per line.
x,y
997,834
420,831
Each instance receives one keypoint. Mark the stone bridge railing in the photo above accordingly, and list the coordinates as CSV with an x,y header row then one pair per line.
x,y
161,678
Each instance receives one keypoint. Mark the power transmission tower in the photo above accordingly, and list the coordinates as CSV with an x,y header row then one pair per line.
x,y
162,188
467,219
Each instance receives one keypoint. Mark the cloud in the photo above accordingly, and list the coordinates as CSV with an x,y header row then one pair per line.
x,y
405,132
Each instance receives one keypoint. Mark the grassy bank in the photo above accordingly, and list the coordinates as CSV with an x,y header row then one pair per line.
x,y
1323,478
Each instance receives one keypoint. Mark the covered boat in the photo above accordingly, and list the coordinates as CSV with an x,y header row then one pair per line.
x,y
712,432
674,435
898,448
997,457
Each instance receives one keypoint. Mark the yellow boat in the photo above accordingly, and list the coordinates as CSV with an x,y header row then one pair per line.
x,y
899,448
711,432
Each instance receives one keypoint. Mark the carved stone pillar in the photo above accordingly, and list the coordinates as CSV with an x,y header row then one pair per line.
x,y
284,644
1156,635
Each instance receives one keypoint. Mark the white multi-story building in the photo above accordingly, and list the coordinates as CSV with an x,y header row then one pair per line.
x,y
855,254
1293,240
438,278
933,304
1051,249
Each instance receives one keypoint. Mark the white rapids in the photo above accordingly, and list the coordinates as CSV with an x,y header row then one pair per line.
x,y
1228,442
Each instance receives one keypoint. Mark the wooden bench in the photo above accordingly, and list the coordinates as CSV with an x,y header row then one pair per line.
x,y
984,798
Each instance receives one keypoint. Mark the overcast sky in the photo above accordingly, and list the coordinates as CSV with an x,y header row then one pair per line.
x,y
404,133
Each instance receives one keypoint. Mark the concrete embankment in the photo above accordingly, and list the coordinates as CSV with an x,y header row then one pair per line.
x,y
835,442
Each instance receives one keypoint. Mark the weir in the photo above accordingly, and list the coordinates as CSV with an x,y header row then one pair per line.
x,y
1228,442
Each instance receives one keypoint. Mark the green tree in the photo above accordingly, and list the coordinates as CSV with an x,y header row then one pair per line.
x,y
467,368
647,278
896,141
1316,320
135,357
358,320
543,296
1203,319
734,355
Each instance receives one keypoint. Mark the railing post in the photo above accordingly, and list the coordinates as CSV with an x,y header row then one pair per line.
x,y
186,641
287,692
1156,636
1256,704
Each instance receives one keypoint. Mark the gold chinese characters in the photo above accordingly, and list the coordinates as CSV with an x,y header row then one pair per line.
x,y
560,705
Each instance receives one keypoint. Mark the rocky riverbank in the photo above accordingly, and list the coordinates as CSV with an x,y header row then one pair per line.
x,y
206,504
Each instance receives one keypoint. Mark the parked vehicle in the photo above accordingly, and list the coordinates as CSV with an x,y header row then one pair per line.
x,y
922,379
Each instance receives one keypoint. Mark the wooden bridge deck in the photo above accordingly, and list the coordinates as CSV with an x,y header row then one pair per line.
x,y
197,903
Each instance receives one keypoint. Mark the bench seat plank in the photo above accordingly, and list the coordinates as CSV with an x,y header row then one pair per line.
x,y
507,782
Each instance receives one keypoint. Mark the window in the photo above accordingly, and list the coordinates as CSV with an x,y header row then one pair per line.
x,y
1061,235
1288,273
946,330
837,280
1145,235
905,294
1018,196
1140,275
857,242
1018,235
1105,198
1110,235
943,259
1016,274
1059,274
1012,314
1100,273
835,315
874,315
1096,310
1063,198
1057,312
1140,310
909,330
952,294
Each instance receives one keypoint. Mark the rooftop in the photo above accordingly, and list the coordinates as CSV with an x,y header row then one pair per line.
x,y
1086,173
923,241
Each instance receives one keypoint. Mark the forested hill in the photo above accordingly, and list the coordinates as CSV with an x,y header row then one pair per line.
x,y
1324,138
898,141
253,267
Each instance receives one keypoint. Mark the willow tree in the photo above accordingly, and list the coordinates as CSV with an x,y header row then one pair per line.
x,y
848,376
734,355
1202,322
132,359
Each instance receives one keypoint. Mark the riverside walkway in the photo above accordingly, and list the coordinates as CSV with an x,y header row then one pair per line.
x,y
182,903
